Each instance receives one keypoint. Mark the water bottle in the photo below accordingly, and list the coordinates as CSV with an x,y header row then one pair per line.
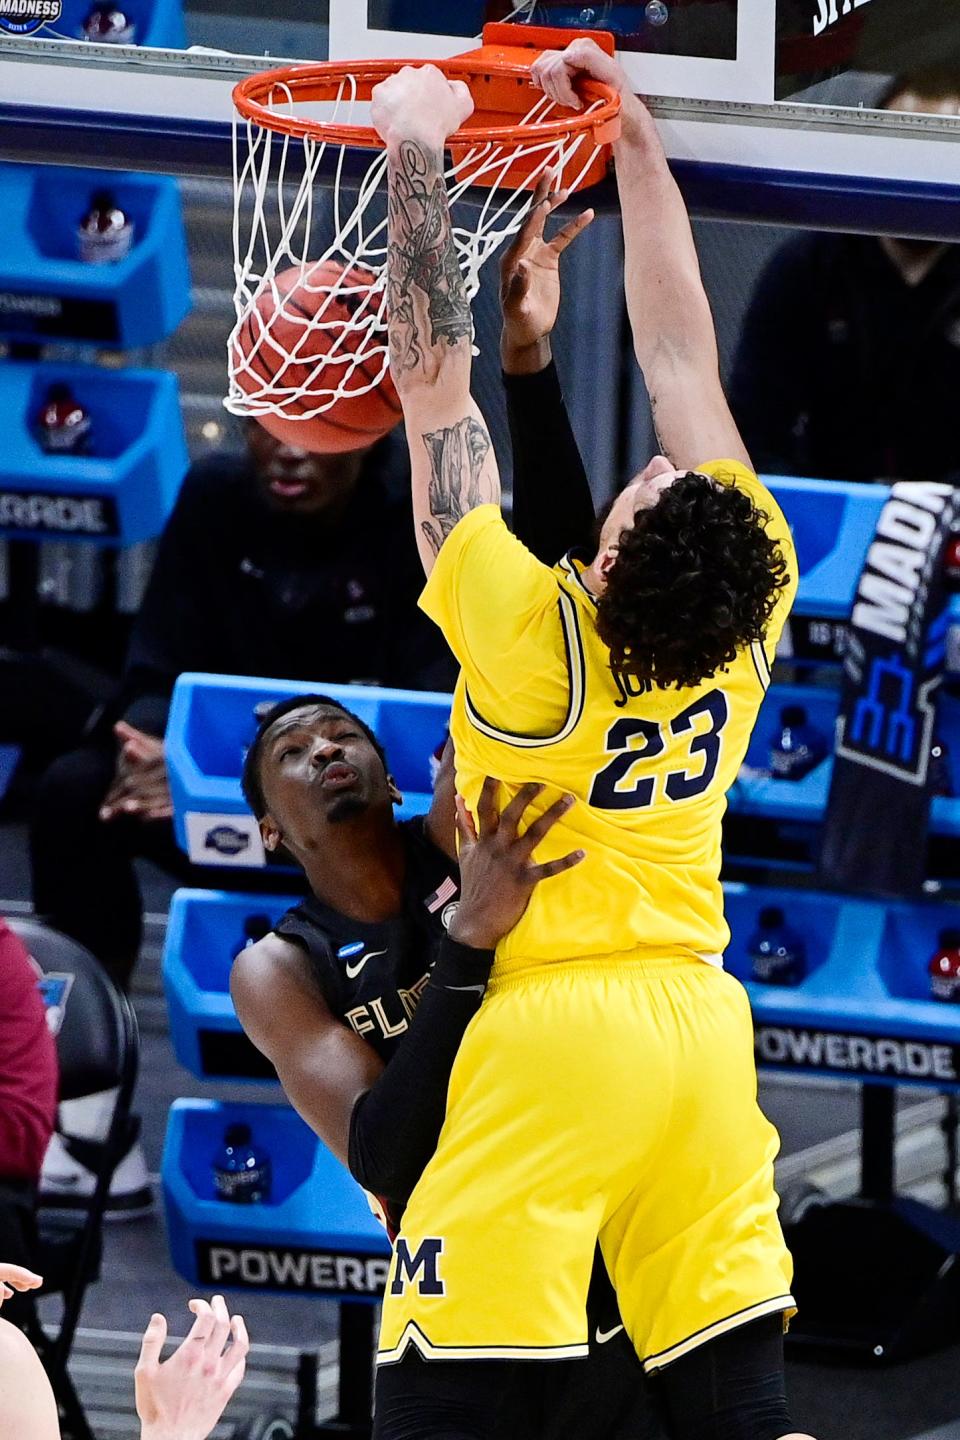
x,y
241,1170
108,25
944,968
62,424
778,954
798,748
105,233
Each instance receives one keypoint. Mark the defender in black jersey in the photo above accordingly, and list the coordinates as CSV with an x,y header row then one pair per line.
x,y
362,993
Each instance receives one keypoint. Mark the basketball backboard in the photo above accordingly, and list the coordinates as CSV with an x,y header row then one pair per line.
x,y
763,104
747,50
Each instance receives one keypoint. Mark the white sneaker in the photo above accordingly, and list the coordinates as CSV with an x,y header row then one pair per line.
x,y
66,1183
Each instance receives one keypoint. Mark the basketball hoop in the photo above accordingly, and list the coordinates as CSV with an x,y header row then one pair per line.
x,y
301,127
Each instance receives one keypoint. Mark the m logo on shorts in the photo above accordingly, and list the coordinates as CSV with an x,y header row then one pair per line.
x,y
420,1268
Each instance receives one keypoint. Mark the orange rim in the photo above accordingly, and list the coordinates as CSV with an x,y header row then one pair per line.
x,y
322,82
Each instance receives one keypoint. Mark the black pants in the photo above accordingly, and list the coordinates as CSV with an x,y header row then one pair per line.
x,y
731,1388
84,881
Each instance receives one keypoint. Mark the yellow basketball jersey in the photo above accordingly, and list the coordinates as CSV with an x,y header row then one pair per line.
x,y
537,700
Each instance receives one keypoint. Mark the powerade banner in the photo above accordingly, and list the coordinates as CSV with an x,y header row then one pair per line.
x,y
867,1057
332,1274
50,514
875,832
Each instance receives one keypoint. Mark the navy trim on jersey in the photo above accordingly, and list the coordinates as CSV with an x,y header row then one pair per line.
x,y
577,672
757,670
761,664
571,571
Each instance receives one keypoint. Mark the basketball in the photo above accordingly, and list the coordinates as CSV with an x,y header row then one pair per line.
x,y
287,345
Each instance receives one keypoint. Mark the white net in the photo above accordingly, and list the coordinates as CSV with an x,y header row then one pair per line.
x,y
310,247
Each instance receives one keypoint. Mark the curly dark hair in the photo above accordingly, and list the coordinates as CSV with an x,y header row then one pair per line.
x,y
695,580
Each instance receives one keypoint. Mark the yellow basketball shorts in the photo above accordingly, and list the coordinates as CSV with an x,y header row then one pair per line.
x,y
612,1098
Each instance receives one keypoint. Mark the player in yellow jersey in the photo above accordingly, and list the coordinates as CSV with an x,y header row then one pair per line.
x,y
607,1087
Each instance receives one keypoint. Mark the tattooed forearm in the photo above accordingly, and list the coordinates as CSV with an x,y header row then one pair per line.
x,y
425,286
459,479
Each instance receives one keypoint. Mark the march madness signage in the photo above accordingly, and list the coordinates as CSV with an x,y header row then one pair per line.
x,y
24,17
332,1274
875,830
856,1056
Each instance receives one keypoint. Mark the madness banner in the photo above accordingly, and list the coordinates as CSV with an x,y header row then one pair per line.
x,y
875,832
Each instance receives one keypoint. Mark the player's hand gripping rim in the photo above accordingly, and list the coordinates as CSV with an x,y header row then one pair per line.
x,y
556,70
497,871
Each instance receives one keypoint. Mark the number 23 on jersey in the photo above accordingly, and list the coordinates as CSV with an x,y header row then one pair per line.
x,y
633,742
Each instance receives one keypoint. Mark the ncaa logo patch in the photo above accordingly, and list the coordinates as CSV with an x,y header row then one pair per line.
x,y
347,951
25,17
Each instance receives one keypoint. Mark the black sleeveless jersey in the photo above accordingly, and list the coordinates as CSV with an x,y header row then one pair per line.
x,y
372,975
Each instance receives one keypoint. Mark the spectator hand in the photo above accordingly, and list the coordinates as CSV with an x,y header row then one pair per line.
x,y
530,282
496,874
140,786
183,1398
15,1277
419,103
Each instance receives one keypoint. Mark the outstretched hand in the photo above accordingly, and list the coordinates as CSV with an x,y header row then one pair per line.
x,y
530,276
497,876
184,1397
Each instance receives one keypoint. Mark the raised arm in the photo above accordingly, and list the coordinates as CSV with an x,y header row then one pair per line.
x,y
673,330
552,503
453,465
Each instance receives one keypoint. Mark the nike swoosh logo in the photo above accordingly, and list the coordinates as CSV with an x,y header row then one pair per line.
x,y
604,1335
354,970
466,989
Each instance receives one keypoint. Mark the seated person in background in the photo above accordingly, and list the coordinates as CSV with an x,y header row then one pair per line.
x,y
849,362
181,1399
28,1104
286,564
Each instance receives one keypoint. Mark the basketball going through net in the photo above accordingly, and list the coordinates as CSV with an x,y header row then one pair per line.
x,y
311,327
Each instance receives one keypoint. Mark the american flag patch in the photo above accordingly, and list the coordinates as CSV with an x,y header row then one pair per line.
x,y
440,897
